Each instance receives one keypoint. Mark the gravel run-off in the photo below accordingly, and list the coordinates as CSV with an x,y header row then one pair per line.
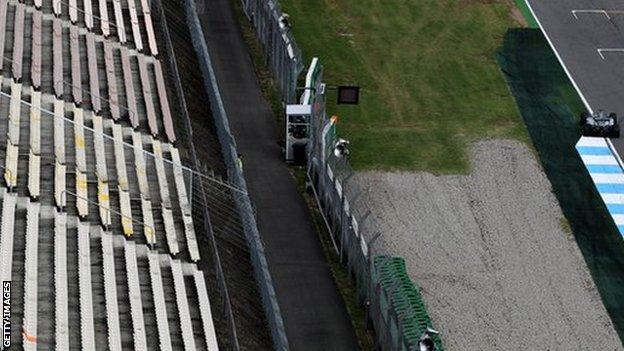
x,y
497,266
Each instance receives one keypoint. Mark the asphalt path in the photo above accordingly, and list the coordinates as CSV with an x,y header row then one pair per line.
x,y
314,313
588,39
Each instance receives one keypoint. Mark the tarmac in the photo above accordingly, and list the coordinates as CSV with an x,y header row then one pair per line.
x,y
588,39
314,313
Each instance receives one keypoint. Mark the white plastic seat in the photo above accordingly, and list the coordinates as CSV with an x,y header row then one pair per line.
x,y
73,11
3,16
136,31
185,205
75,65
147,95
94,80
18,41
129,88
34,175
88,14
15,112
149,27
56,7
57,53
34,158
119,22
82,203
122,180
101,171
60,194
164,102
104,22
111,79
10,172
35,68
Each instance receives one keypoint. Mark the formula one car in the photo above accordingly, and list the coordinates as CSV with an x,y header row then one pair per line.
x,y
600,124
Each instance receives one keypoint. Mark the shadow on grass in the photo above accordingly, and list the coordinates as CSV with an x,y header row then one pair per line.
x,y
549,106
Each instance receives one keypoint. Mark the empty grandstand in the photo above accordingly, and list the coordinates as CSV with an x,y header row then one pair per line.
x,y
102,222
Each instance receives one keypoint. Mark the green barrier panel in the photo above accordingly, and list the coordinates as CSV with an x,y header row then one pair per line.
x,y
550,108
401,298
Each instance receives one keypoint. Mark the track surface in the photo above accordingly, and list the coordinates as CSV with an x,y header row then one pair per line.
x,y
314,313
576,40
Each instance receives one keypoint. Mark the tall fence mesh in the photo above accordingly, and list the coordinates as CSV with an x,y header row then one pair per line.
x,y
281,52
235,177
353,229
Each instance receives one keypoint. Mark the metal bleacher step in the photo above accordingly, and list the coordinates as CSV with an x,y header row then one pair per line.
x,y
60,282
110,291
29,324
159,302
183,307
9,201
87,331
134,294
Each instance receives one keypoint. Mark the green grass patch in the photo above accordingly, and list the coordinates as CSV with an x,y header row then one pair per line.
x,y
427,68
526,13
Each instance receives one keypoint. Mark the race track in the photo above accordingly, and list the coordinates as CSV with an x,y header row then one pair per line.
x,y
588,39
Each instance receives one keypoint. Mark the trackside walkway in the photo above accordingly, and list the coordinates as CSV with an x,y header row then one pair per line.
x,y
314,313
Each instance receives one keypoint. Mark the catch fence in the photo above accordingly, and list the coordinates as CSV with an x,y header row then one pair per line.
x,y
281,52
393,303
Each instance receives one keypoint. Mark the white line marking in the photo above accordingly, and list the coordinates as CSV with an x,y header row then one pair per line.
x,y
614,153
559,58
618,219
591,141
612,198
607,178
604,12
599,160
600,51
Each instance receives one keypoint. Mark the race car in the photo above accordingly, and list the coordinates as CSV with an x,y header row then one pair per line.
x,y
600,124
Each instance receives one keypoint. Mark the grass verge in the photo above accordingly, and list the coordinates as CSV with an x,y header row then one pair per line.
x,y
428,73
526,13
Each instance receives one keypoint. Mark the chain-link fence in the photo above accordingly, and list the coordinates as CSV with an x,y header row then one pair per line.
x,y
281,53
353,229
202,190
235,176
